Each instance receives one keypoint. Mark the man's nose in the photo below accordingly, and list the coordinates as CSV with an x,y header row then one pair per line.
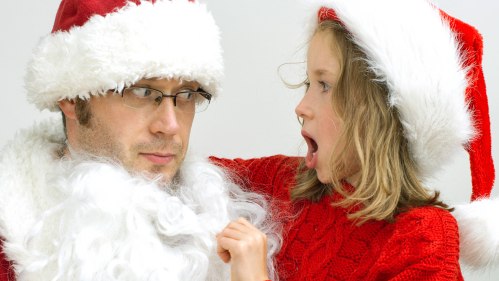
x,y
165,118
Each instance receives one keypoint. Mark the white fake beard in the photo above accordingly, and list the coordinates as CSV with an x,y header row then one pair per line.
x,y
108,225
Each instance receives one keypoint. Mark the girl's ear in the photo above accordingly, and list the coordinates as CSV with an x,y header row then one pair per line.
x,y
68,107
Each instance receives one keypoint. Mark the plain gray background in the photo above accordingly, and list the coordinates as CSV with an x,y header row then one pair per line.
x,y
254,116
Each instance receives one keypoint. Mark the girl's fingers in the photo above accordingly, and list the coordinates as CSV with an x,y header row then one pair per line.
x,y
245,247
236,225
239,248
228,247
246,223
234,243
223,253
234,234
238,238
243,225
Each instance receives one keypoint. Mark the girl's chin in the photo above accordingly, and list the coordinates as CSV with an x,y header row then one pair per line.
x,y
323,176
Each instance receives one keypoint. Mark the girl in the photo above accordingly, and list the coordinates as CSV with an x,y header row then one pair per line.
x,y
394,90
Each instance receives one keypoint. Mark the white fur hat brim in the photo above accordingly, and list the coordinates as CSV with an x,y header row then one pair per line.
x,y
168,39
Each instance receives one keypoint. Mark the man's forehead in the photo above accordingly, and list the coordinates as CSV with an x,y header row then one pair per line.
x,y
180,81
157,80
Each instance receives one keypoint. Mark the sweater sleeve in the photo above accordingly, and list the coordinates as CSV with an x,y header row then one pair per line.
x,y
424,246
271,176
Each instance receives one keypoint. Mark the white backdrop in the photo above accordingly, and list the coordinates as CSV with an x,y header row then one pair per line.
x,y
254,116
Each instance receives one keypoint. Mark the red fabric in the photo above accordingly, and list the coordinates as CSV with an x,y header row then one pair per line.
x,y
6,270
320,243
77,12
480,149
325,13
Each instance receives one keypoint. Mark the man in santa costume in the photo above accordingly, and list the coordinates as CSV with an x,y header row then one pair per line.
x,y
113,194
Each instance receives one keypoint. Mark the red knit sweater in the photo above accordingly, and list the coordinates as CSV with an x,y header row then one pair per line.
x,y
322,244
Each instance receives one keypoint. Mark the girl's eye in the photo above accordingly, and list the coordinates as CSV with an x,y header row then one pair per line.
x,y
325,86
306,83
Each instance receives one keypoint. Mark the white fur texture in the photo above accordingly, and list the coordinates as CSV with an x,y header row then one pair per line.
x,y
169,39
91,220
411,49
478,234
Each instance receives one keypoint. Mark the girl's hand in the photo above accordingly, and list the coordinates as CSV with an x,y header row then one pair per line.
x,y
245,247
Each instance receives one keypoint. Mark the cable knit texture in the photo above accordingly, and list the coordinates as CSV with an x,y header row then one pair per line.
x,y
322,244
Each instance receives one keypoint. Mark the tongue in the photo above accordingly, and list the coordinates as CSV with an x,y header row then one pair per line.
x,y
311,158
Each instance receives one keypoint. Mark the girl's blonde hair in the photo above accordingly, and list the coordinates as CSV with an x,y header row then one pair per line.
x,y
389,182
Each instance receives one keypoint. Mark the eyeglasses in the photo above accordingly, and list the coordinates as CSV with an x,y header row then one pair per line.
x,y
149,98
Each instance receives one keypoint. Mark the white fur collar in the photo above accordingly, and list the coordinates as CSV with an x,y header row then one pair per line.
x,y
82,220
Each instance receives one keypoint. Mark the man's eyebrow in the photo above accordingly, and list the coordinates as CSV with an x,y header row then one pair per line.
x,y
179,87
189,83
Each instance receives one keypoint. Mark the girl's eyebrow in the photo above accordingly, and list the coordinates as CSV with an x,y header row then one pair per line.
x,y
322,71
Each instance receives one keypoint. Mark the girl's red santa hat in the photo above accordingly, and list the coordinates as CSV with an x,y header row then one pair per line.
x,y
100,45
432,66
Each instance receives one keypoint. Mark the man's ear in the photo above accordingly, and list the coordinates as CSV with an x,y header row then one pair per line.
x,y
68,107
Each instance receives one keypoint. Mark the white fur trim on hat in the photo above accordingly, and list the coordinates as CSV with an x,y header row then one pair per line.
x,y
478,233
168,39
413,50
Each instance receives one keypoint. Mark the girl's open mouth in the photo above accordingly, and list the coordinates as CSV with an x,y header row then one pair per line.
x,y
311,158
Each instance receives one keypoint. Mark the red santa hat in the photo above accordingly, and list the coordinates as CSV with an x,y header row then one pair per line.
x,y
432,66
100,45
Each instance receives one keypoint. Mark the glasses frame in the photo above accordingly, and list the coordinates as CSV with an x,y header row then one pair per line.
x,y
200,91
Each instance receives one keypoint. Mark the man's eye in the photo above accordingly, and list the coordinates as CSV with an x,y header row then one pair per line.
x,y
185,95
140,92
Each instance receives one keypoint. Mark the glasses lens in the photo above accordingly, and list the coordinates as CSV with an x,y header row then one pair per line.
x,y
140,97
202,101
191,102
